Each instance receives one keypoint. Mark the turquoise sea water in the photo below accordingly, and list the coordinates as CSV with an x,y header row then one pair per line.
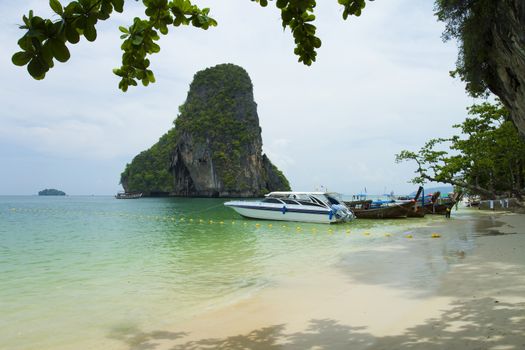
x,y
76,270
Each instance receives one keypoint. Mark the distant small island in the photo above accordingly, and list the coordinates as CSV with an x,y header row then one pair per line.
x,y
51,192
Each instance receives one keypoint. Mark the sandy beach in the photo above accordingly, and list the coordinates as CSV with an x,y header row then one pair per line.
x,y
375,300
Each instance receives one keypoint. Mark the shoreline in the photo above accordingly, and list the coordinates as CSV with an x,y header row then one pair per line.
x,y
478,302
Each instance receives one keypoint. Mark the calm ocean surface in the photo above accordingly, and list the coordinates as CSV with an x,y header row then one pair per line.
x,y
76,271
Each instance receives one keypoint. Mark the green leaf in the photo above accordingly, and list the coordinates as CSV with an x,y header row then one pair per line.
x,y
118,5
56,6
90,33
281,3
59,50
123,29
37,69
25,43
286,16
46,53
21,58
72,34
137,39
151,76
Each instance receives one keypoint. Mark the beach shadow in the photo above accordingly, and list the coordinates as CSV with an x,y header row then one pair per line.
x,y
329,334
484,323
320,334
491,226
266,338
135,339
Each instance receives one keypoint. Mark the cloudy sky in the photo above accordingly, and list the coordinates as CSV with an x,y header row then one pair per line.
x,y
380,85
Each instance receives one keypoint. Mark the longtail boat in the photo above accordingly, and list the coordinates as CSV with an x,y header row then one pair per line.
x,y
439,205
367,209
416,210
127,195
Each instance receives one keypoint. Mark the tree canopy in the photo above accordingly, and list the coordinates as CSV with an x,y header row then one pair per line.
x,y
470,22
45,40
487,158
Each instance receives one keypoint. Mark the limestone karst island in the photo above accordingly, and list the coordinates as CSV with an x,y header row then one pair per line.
x,y
215,147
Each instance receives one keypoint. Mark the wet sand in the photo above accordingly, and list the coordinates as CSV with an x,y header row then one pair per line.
x,y
376,300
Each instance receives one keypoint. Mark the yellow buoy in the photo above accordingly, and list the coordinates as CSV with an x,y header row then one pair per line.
x,y
409,236
222,222
388,235
257,225
366,233
270,225
436,235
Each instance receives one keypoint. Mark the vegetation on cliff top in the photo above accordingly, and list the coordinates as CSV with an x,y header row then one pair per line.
x,y
220,111
278,173
149,170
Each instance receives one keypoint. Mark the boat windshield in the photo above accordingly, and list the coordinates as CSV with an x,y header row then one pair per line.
x,y
300,198
332,200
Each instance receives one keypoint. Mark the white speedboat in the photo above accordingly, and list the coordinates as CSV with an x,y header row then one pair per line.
x,y
317,207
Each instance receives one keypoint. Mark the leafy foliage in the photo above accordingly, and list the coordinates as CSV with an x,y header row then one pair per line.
x,y
487,158
470,22
46,40
273,171
149,171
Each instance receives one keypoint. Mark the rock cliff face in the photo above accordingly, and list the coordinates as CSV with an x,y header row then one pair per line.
x,y
215,149
506,58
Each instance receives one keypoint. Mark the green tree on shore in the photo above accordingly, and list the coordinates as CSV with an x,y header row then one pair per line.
x,y
487,158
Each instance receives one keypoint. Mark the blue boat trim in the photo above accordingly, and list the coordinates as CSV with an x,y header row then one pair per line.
x,y
288,210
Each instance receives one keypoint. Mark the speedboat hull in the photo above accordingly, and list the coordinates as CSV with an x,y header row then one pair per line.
x,y
264,211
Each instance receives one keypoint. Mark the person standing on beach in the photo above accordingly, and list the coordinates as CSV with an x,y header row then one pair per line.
x,y
447,213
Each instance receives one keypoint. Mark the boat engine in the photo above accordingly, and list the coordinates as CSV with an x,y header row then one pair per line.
x,y
341,212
